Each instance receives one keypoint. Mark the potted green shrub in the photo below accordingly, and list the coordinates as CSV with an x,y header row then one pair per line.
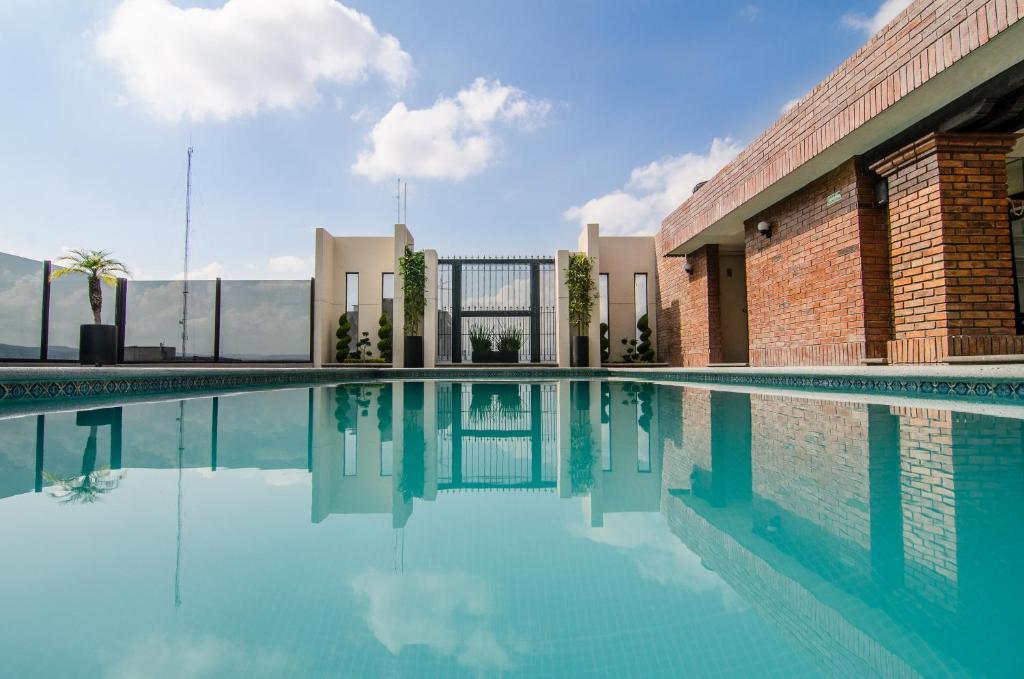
x,y
510,341
97,342
480,343
579,279
412,267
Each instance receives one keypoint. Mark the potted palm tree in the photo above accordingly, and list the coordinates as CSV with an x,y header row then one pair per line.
x,y
97,343
579,279
412,266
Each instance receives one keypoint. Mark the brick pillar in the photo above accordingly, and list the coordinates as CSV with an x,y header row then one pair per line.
x,y
689,317
950,250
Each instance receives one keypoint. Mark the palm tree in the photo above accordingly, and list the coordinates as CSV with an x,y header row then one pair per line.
x,y
98,266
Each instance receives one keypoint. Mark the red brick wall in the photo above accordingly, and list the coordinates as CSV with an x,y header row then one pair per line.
x,y
923,41
818,287
951,256
689,320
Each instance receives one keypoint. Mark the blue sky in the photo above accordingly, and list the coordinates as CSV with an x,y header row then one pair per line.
x,y
511,121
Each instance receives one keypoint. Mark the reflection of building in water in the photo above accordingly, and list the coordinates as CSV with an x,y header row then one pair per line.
x,y
880,539
496,435
375,449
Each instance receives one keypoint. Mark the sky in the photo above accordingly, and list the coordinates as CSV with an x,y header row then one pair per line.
x,y
512,123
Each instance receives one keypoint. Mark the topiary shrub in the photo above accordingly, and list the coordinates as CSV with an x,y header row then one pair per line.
x,y
606,344
644,350
362,352
385,335
344,335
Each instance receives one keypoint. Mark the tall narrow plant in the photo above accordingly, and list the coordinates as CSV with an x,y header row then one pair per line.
x,y
645,349
98,267
412,266
344,335
579,279
385,340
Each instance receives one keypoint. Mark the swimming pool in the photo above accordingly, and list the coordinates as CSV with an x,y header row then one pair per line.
x,y
597,528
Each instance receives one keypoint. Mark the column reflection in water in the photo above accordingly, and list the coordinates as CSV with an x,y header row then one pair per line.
x,y
883,540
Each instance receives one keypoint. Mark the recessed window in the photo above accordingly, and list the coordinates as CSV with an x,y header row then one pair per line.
x,y
639,298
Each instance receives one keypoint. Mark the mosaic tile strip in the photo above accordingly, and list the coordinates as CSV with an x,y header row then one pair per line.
x,y
44,388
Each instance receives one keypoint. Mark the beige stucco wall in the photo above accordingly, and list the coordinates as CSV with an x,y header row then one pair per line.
x,y
336,256
621,257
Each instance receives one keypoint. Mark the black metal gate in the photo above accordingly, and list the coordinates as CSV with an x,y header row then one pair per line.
x,y
491,293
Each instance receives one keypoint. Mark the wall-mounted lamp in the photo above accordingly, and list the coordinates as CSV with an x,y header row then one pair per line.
x,y
688,268
764,228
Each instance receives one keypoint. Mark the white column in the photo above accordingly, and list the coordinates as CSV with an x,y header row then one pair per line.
x,y
590,245
430,311
562,310
324,319
402,239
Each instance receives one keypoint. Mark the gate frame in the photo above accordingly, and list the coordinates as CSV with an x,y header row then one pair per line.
x,y
533,313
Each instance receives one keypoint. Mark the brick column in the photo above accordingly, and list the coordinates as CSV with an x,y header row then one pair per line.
x,y
951,257
689,317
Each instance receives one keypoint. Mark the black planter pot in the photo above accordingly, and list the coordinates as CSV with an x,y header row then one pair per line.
x,y
580,354
97,344
413,352
495,357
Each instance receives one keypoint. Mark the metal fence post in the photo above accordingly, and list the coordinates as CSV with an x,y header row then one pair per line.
x,y
312,317
120,314
44,330
456,312
216,322
535,312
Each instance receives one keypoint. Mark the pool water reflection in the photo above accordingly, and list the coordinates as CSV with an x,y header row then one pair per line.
x,y
558,528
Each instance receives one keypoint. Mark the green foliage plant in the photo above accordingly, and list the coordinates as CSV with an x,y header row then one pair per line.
x,y
579,279
344,335
385,338
412,267
98,267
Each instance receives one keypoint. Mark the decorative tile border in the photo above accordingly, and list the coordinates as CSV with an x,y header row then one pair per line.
x,y
23,388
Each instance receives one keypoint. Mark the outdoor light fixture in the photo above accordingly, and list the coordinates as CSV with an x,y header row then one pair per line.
x,y
764,228
687,267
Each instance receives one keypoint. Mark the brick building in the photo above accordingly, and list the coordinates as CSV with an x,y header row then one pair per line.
x,y
875,220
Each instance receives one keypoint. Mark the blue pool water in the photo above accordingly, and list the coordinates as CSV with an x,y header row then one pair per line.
x,y
550,529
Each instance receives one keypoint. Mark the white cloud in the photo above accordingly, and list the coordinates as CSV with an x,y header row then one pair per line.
x,y
871,25
749,12
290,266
653,191
249,55
208,272
453,139
784,109
659,555
449,613
191,657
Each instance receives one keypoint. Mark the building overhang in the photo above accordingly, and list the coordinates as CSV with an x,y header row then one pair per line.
x,y
767,172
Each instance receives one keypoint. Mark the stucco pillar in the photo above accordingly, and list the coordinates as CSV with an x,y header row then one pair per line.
x,y
590,245
324,318
950,251
430,312
562,334
402,239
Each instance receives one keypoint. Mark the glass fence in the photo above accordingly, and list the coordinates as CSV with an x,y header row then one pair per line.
x,y
226,320
21,307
